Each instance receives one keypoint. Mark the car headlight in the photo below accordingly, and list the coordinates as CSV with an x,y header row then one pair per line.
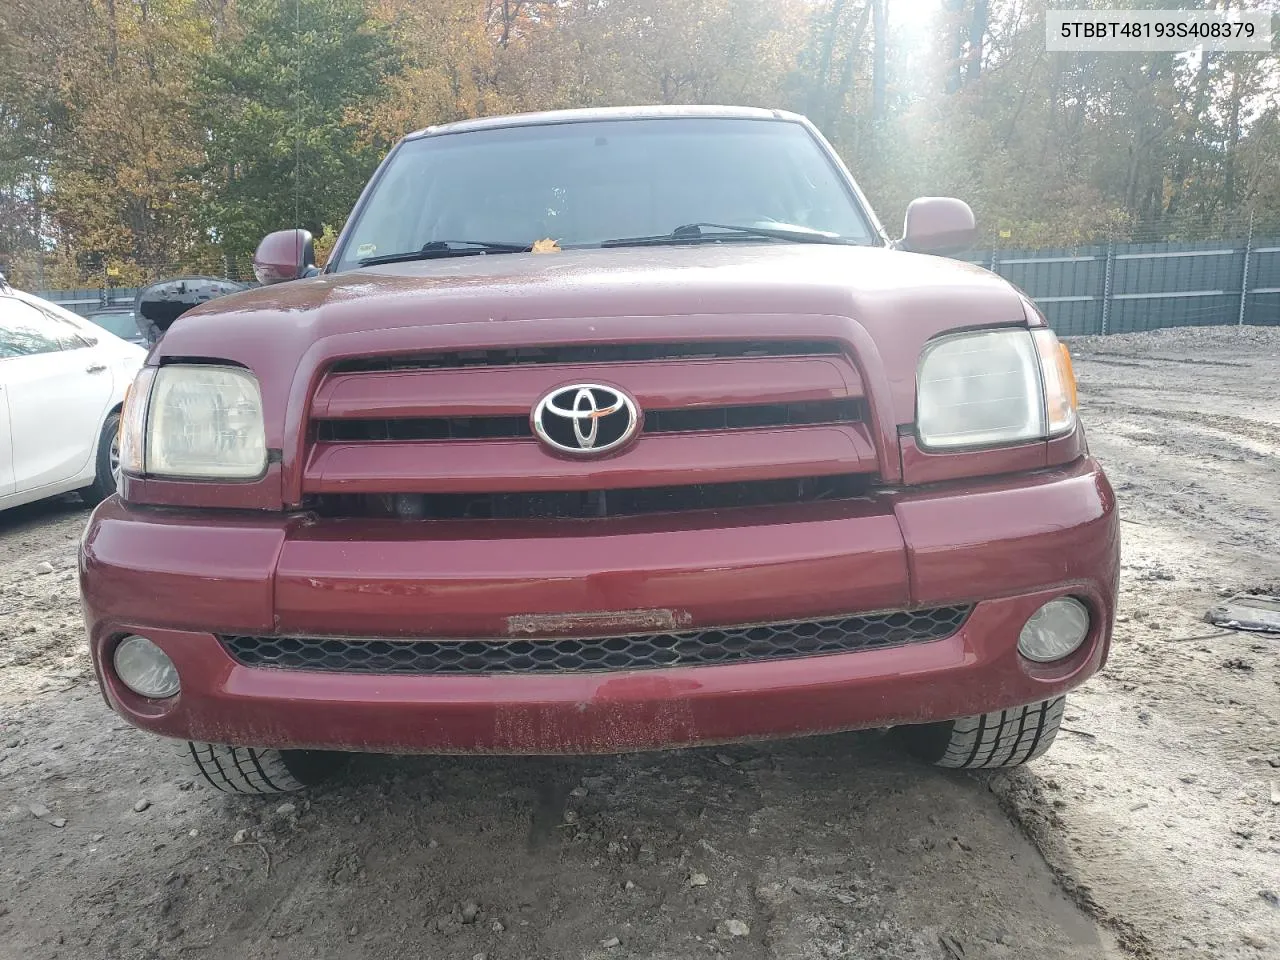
x,y
994,387
133,421
194,420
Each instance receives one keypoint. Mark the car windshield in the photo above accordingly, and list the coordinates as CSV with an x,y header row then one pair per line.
x,y
586,183
121,324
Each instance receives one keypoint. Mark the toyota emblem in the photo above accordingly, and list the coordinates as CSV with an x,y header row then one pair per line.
x,y
585,419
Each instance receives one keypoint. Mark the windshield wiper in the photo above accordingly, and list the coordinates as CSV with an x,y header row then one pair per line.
x,y
698,233
438,249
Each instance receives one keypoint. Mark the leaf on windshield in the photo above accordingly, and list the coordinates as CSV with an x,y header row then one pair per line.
x,y
546,246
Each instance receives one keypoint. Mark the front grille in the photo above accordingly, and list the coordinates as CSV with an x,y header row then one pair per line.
x,y
746,417
590,504
773,641
589,353
687,420
783,421
423,428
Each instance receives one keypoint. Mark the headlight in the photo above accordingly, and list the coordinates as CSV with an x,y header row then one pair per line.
x,y
1059,383
994,387
194,420
133,421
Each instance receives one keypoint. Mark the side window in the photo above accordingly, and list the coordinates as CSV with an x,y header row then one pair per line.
x,y
25,331
72,339
69,335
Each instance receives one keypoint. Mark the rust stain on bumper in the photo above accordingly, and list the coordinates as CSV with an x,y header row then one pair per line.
x,y
598,622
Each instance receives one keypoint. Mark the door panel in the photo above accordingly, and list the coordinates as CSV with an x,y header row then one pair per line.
x,y
6,441
58,391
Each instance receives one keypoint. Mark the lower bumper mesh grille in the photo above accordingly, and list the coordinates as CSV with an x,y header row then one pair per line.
x,y
773,641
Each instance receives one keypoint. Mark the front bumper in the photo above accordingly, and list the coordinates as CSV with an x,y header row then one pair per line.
x,y
1005,545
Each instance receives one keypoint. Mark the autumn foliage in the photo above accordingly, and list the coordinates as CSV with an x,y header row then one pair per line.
x,y
142,137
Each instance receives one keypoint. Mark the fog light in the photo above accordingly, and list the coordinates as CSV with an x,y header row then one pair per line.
x,y
1055,630
145,668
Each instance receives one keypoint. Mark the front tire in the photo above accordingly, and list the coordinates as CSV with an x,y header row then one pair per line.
x,y
107,463
262,771
1008,738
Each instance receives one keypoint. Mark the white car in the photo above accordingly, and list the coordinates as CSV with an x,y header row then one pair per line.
x,y
62,383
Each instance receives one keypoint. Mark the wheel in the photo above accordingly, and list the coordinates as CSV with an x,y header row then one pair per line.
x,y
107,473
1005,739
262,771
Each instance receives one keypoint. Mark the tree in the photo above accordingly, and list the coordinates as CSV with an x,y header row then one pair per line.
x,y
879,18
125,197
830,65
716,51
149,136
34,122
281,103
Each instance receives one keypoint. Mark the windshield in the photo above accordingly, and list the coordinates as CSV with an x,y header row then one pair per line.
x,y
121,324
586,183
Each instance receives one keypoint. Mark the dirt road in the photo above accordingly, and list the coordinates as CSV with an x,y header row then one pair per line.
x,y
1149,830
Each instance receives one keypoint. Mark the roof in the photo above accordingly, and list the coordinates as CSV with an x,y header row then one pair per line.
x,y
586,114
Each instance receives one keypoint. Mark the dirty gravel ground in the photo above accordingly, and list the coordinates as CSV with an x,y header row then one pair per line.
x,y
1150,829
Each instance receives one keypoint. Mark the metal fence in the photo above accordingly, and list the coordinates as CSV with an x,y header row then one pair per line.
x,y
1109,288
90,300
1123,288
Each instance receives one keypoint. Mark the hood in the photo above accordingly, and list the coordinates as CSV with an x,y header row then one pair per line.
x,y
630,281
899,299
156,307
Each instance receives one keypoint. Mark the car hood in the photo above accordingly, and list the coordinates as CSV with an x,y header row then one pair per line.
x,y
899,299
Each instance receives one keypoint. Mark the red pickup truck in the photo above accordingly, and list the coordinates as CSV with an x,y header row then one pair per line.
x,y
604,431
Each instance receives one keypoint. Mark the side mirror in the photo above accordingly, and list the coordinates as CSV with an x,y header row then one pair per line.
x,y
938,225
284,255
